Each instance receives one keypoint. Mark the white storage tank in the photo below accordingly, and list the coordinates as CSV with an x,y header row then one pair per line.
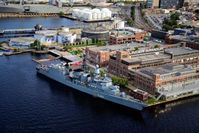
x,y
106,13
109,14
80,15
85,10
96,10
75,12
120,24
99,16
88,16
94,16
103,15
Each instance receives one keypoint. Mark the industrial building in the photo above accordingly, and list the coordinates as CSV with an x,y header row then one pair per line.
x,y
124,63
128,0
165,4
192,2
101,55
126,35
153,3
55,36
170,80
92,14
189,36
21,42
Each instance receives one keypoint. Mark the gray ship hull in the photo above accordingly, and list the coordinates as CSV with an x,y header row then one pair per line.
x,y
59,77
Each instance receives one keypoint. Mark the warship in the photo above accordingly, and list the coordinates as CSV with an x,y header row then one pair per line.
x,y
75,76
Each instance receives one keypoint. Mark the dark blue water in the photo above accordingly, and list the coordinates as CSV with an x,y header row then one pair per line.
x,y
47,22
32,103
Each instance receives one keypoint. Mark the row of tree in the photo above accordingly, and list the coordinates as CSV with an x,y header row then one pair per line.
x,y
119,81
84,43
172,22
130,21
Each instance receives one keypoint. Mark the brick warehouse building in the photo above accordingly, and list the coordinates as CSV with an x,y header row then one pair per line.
x,y
126,35
125,64
169,80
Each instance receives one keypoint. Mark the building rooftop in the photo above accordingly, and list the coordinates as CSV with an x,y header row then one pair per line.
x,y
147,57
126,31
121,33
66,55
128,46
47,32
180,51
72,58
133,29
22,39
176,89
173,70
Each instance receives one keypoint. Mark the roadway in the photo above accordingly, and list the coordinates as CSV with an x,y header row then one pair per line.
x,y
139,22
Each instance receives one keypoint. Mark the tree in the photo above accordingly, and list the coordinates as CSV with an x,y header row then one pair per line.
x,y
133,12
43,47
16,50
36,45
102,73
130,22
136,49
175,16
157,46
94,40
119,81
61,13
171,23
67,48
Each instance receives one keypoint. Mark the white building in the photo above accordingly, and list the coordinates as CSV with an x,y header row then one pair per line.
x,y
92,14
46,36
21,42
55,36
66,37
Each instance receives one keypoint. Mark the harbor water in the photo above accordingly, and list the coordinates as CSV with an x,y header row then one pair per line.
x,y
30,103
47,22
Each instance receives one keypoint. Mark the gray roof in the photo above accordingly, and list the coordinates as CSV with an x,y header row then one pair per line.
x,y
180,51
146,57
126,46
167,69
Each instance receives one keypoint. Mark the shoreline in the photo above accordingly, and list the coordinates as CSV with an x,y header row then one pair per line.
x,y
25,51
27,15
158,103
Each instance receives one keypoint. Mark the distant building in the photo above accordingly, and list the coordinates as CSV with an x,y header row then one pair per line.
x,y
165,3
139,94
66,37
126,63
192,2
171,4
153,3
126,35
101,55
46,36
21,42
170,80
188,36
128,0
56,36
